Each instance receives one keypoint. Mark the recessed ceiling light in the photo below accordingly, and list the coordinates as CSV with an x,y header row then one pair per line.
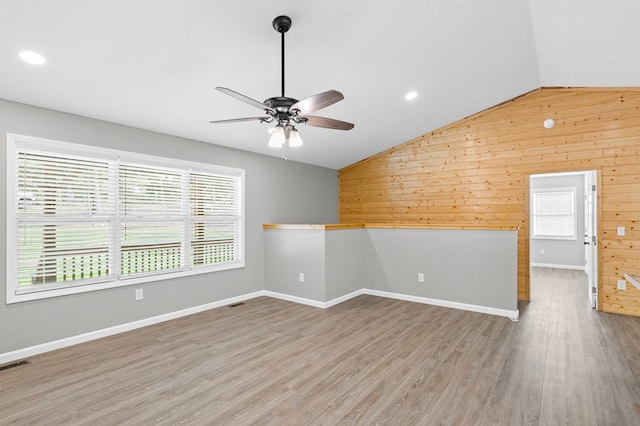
x,y
411,95
31,57
549,123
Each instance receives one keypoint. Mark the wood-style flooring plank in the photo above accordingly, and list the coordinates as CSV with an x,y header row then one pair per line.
x,y
368,360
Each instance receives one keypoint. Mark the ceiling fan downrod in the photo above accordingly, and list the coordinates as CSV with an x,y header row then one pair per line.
x,y
282,24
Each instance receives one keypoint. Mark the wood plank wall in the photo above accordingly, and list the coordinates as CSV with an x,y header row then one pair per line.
x,y
476,171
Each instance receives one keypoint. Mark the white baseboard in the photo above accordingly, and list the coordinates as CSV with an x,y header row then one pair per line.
x,y
344,298
553,265
514,315
311,302
295,299
93,335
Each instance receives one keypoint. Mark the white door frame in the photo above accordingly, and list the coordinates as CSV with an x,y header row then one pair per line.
x,y
590,231
591,234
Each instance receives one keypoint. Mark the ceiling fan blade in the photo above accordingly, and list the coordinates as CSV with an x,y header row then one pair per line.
x,y
317,102
237,120
243,98
328,123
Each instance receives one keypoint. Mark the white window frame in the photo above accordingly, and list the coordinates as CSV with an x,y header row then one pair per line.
x,y
534,232
17,142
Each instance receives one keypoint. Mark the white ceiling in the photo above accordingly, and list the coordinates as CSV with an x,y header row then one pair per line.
x,y
154,64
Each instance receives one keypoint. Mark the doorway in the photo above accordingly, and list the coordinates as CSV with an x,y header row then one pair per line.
x,y
563,216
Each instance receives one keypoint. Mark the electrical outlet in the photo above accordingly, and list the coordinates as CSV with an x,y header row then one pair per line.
x,y
420,277
301,277
621,231
541,251
139,294
622,285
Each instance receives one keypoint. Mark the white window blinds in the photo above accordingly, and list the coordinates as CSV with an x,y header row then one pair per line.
x,y
215,210
554,214
82,220
64,211
153,214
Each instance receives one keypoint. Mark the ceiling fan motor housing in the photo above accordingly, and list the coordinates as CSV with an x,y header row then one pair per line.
x,y
282,104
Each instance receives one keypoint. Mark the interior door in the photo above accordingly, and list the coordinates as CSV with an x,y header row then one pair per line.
x,y
591,236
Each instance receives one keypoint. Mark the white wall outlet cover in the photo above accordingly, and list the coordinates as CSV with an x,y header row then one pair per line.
x,y
420,277
621,231
541,251
622,285
139,294
301,277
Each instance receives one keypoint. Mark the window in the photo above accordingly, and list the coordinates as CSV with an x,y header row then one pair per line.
x,y
83,218
554,213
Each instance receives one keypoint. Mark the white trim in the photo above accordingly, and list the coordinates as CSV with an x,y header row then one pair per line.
x,y
11,234
389,295
553,265
633,279
446,303
109,331
295,299
344,298
85,288
314,303
539,175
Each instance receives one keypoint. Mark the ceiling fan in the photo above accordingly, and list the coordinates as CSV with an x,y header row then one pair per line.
x,y
288,112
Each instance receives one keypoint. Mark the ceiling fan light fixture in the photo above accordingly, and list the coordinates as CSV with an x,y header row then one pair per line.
x,y
294,138
277,137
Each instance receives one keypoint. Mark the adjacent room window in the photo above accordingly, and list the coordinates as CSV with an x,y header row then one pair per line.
x,y
554,213
83,218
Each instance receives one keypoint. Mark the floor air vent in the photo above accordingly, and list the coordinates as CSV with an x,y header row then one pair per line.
x,y
233,305
14,364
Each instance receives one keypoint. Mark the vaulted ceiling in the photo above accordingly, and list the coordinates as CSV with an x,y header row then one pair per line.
x,y
154,64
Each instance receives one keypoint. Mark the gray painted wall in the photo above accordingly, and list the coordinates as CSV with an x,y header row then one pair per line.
x,y
334,263
276,192
347,255
465,266
568,253
291,252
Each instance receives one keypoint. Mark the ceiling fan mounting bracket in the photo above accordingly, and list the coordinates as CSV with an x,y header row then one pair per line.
x,y
282,24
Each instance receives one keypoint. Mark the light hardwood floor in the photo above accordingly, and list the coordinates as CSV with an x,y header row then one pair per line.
x,y
366,361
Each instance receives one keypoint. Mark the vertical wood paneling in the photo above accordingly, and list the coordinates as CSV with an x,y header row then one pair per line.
x,y
476,171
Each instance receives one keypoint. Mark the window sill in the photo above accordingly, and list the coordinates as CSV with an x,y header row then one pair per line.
x,y
86,288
